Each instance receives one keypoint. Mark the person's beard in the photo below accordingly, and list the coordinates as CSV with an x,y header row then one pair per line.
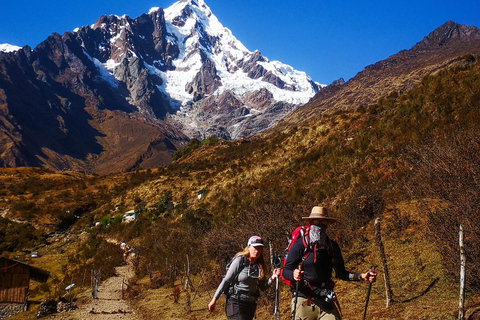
x,y
318,235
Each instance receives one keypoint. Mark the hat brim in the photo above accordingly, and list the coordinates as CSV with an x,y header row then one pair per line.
x,y
257,245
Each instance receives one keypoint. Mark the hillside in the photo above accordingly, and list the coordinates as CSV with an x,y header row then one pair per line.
x,y
397,73
410,159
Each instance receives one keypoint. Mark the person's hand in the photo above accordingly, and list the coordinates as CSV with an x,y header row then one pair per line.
x,y
370,276
211,305
276,273
297,275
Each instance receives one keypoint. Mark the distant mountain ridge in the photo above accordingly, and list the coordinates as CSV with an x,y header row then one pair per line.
x,y
125,93
441,48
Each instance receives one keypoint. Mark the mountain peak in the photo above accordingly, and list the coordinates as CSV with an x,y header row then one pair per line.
x,y
212,64
448,33
186,8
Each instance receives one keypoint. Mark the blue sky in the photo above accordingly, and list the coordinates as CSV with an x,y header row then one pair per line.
x,y
326,39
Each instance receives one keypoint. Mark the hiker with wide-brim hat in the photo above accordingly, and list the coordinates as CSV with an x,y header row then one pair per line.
x,y
313,295
244,278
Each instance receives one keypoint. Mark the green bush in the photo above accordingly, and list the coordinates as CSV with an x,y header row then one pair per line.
x,y
210,141
108,221
187,149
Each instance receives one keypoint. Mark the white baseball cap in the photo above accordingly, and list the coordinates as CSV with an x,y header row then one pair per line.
x,y
255,241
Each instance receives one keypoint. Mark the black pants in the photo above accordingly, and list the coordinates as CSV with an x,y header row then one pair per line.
x,y
239,310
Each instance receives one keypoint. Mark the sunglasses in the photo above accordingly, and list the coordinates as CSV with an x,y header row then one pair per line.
x,y
320,222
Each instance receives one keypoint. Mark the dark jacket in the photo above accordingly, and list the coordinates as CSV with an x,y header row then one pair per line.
x,y
318,266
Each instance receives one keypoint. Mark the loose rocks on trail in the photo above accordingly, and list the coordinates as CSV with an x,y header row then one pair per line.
x,y
109,304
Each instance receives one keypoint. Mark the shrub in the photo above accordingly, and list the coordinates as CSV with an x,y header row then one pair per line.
x,y
187,149
364,204
449,171
17,236
94,254
210,141
108,221
273,220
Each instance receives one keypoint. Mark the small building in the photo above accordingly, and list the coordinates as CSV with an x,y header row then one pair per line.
x,y
129,216
15,279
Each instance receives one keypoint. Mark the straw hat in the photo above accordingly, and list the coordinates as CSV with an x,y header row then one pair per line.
x,y
319,213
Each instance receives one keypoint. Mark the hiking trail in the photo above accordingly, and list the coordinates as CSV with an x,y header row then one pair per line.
x,y
109,304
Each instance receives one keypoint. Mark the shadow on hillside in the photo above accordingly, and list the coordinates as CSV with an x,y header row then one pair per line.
x,y
430,286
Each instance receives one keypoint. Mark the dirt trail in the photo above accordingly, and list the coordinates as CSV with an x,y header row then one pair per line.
x,y
109,304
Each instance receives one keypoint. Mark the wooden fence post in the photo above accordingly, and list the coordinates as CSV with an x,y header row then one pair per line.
x,y
386,277
187,273
123,291
95,276
201,280
463,260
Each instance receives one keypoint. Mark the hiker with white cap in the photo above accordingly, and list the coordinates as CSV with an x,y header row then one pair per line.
x,y
244,278
309,264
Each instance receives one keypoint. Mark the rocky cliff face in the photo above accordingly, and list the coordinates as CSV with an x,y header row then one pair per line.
x,y
124,93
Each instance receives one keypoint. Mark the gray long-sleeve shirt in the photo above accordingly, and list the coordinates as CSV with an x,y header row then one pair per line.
x,y
247,282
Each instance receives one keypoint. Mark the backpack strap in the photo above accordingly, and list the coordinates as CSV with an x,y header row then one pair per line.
x,y
306,244
243,261
235,280
304,233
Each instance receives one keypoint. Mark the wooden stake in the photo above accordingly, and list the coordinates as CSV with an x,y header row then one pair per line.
x,y
386,277
463,261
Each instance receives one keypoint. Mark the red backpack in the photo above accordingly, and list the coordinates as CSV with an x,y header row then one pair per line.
x,y
302,232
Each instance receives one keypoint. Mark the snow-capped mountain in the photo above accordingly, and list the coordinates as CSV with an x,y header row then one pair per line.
x,y
212,83
125,93
248,92
199,36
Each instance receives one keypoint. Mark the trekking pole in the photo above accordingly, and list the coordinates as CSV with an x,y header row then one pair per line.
x,y
296,294
276,261
276,314
368,291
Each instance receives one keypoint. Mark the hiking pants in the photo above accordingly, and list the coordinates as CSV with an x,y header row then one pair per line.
x,y
239,310
309,310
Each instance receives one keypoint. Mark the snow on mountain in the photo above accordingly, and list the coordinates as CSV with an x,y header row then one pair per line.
x,y
5,47
193,27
